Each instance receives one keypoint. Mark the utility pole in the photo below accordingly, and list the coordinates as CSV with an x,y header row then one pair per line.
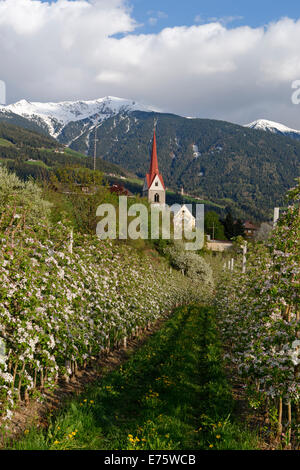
x,y
95,148
213,230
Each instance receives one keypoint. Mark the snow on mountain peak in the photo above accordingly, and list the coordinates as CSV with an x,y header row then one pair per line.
x,y
271,126
57,115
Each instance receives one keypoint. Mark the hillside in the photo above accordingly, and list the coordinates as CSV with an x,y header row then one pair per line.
x,y
233,166
13,119
245,169
23,137
29,153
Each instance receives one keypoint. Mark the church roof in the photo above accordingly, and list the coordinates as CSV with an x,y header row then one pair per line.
x,y
154,165
182,209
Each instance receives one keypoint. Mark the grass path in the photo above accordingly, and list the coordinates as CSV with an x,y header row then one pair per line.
x,y
171,394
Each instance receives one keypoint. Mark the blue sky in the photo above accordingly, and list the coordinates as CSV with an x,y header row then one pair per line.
x,y
246,12
155,15
213,67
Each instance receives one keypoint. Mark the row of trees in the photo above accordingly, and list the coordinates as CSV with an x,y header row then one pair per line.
x,y
65,300
222,229
260,317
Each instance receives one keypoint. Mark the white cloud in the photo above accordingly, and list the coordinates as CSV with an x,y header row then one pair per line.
x,y
162,14
158,14
152,21
87,49
199,19
155,16
225,19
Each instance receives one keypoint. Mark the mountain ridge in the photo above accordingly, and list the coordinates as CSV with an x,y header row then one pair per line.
x,y
232,165
56,116
274,127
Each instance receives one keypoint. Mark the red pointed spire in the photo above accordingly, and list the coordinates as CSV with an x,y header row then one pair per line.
x,y
154,164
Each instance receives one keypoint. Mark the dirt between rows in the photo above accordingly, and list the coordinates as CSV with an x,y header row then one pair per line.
x,y
36,412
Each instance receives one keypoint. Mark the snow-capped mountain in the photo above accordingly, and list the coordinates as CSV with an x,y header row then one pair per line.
x,y
55,117
274,127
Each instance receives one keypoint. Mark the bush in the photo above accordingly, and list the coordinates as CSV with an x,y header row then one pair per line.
x,y
191,264
22,198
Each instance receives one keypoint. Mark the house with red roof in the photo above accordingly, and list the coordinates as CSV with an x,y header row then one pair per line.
x,y
250,229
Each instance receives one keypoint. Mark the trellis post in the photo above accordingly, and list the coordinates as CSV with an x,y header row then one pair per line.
x,y
244,257
71,242
276,216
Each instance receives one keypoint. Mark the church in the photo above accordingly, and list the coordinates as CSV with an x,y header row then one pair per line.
x,y
154,188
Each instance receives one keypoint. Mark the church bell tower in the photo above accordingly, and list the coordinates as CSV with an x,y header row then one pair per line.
x,y
154,188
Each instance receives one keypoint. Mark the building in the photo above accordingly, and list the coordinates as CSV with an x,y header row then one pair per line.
x,y
183,218
218,245
250,229
119,190
154,187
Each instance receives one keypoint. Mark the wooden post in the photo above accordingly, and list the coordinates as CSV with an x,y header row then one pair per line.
x,y
71,242
279,425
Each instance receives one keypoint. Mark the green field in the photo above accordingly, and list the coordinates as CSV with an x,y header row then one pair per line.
x,y
5,143
171,394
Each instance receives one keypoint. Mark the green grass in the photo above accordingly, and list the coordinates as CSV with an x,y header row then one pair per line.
x,y
74,153
5,143
38,163
171,394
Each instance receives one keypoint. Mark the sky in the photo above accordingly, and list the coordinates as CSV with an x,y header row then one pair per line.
x,y
219,59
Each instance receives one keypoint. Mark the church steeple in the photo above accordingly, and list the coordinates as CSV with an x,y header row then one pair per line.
x,y
154,165
154,186
154,162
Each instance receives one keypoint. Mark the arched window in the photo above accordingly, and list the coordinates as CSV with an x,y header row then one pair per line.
x,y
156,197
